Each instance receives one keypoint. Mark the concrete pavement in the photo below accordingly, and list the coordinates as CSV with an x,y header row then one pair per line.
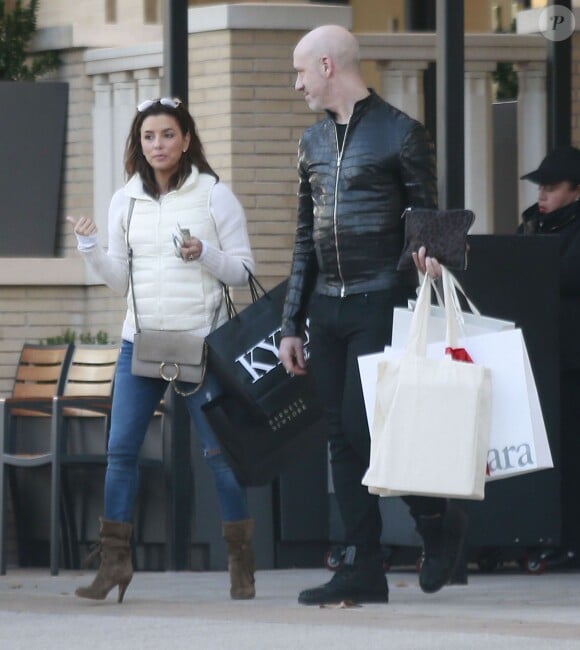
x,y
186,610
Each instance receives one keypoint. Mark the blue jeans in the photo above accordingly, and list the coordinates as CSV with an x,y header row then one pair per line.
x,y
134,402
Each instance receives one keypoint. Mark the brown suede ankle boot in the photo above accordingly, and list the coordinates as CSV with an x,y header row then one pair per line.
x,y
116,567
238,536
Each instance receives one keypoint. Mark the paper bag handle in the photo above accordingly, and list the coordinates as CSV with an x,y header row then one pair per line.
x,y
417,339
472,308
453,315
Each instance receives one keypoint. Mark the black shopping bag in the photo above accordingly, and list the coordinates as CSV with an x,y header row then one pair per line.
x,y
259,446
243,353
265,419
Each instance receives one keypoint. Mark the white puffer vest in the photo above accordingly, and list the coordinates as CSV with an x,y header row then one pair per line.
x,y
170,293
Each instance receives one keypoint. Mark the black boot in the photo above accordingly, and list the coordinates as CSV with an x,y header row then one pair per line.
x,y
443,539
361,579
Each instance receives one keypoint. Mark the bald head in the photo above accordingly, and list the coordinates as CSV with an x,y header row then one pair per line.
x,y
334,42
326,61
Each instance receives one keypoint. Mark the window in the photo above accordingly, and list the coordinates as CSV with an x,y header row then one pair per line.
x,y
152,11
110,11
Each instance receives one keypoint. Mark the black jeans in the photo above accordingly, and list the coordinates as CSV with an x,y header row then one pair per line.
x,y
342,329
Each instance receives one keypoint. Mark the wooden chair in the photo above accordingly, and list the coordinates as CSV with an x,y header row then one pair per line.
x,y
40,376
87,396
86,392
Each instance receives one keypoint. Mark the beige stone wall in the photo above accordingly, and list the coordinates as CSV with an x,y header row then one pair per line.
x,y
130,13
61,12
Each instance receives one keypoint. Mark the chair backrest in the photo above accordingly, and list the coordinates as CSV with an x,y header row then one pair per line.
x,y
41,371
91,371
91,374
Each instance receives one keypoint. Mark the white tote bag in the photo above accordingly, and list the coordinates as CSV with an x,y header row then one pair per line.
x,y
431,417
518,441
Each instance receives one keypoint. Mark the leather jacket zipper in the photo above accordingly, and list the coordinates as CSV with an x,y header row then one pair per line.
x,y
339,153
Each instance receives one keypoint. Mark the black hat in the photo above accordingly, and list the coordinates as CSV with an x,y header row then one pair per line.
x,y
562,164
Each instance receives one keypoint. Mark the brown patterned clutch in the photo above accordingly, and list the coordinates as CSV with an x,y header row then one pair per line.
x,y
442,232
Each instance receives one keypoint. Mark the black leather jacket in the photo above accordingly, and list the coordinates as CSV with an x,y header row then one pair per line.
x,y
350,232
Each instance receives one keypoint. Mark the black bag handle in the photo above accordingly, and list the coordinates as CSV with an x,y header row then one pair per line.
x,y
257,291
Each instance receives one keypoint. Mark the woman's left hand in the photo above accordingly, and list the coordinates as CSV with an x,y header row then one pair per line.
x,y
191,249
425,264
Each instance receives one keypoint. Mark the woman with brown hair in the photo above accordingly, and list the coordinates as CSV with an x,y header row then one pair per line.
x,y
186,234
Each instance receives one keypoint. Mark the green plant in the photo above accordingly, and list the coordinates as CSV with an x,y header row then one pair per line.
x,y
17,27
70,336
100,338
506,79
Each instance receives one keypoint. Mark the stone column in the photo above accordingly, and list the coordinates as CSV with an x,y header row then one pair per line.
x,y
102,150
479,145
148,84
124,105
402,86
532,126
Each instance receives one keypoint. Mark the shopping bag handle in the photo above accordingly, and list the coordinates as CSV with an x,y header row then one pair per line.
x,y
472,308
257,291
453,315
417,340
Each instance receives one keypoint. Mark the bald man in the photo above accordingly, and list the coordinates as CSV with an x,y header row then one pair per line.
x,y
359,167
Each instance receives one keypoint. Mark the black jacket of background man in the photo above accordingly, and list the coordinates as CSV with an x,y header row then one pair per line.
x,y
350,233
565,224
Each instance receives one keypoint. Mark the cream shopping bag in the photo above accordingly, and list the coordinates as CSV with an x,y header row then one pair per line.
x,y
430,425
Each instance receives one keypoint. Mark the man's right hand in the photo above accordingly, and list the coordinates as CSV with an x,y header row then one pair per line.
x,y
426,264
292,355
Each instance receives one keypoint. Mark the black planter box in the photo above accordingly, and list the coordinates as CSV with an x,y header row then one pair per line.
x,y
31,166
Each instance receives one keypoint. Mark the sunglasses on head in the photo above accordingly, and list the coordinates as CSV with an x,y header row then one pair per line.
x,y
172,102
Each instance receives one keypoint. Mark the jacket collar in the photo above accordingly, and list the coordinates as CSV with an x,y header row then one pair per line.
x,y
554,221
134,187
359,107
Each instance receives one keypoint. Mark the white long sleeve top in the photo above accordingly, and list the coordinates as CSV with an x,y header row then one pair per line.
x,y
172,294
